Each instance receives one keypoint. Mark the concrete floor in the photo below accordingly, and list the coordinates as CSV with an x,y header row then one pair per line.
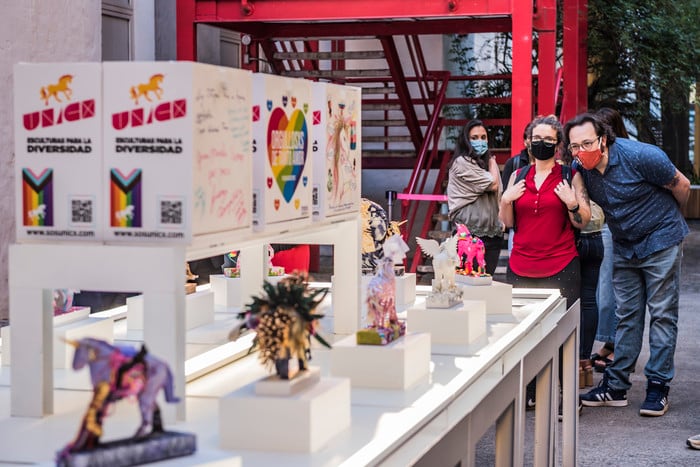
x,y
610,436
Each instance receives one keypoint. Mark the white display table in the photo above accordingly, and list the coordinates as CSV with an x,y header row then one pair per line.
x,y
157,272
448,415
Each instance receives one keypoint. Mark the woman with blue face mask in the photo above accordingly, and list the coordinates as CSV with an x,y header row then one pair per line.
x,y
473,190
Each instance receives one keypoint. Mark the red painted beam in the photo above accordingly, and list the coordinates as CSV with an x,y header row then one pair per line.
x,y
282,30
325,10
521,107
575,55
186,37
545,21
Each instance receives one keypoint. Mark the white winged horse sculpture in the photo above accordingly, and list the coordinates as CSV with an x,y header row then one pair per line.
x,y
445,260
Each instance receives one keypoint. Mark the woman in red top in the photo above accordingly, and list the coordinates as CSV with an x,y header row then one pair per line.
x,y
544,209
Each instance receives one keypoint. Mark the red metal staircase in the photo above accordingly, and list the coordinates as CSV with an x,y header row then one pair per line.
x,y
378,46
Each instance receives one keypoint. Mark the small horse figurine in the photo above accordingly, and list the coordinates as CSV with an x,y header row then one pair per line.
x,y
470,247
52,90
116,373
144,89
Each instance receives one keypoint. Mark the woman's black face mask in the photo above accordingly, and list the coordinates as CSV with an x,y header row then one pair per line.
x,y
541,150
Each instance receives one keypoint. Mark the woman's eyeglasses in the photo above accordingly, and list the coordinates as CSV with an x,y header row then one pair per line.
x,y
549,142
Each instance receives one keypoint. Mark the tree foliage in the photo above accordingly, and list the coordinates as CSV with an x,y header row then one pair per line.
x,y
644,55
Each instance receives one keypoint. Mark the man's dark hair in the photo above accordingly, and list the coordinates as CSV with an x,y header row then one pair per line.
x,y
601,128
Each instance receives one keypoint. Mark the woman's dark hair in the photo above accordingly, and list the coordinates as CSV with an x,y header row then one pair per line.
x,y
601,128
464,148
613,118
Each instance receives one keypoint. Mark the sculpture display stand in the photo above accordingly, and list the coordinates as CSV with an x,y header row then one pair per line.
x,y
444,299
498,297
199,310
122,453
78,314
273,385
473,279
460,330
302,422
398,365
227,291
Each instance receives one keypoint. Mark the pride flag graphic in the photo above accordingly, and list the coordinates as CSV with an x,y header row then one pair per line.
x,y
37,198
125,198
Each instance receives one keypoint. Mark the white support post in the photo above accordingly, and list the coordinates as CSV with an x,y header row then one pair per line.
x,y
253,259
164,323
347,271
31,371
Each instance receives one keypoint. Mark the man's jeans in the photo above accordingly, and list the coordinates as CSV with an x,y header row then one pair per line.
x,y
653,281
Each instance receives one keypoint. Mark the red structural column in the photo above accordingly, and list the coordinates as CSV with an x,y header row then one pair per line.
x,y
521,107
186,30
545,23
575,56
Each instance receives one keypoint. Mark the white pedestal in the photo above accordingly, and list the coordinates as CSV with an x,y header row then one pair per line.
x,y
397,365
275,386
199,310
405,290
304,422
498,297
458,330
79,313
227,290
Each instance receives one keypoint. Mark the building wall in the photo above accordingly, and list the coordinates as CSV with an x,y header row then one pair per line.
x,y
35,31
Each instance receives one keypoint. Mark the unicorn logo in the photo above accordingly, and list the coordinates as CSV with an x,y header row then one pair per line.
x,y
144,89
125,214
52,90
38,213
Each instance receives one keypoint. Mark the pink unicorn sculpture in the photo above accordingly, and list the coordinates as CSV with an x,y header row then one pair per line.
x,y
470,247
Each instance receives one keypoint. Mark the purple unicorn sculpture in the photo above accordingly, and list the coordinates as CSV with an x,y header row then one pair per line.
x,y
118,372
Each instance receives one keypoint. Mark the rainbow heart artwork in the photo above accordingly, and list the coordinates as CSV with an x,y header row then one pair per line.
x,y
287,144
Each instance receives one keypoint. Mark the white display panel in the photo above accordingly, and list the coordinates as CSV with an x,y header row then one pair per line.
x,y
177,159
336,148
58,151
282,163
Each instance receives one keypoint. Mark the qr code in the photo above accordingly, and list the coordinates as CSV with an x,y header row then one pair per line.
x,y
81,211
171,212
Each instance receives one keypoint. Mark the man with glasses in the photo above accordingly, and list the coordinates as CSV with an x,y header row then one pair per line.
x,y
641,192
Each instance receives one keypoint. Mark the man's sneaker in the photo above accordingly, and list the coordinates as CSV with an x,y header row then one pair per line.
x,y
693,442
656,403
603,395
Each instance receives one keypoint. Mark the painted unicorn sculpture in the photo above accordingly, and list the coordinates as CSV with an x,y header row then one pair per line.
x,y
469,248
117,372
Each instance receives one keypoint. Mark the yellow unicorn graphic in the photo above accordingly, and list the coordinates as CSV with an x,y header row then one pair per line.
x,y
144,89
53,89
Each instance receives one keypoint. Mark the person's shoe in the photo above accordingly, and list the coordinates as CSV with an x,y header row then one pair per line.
x,y
530,391
602,395
656,403
693,442
560,414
